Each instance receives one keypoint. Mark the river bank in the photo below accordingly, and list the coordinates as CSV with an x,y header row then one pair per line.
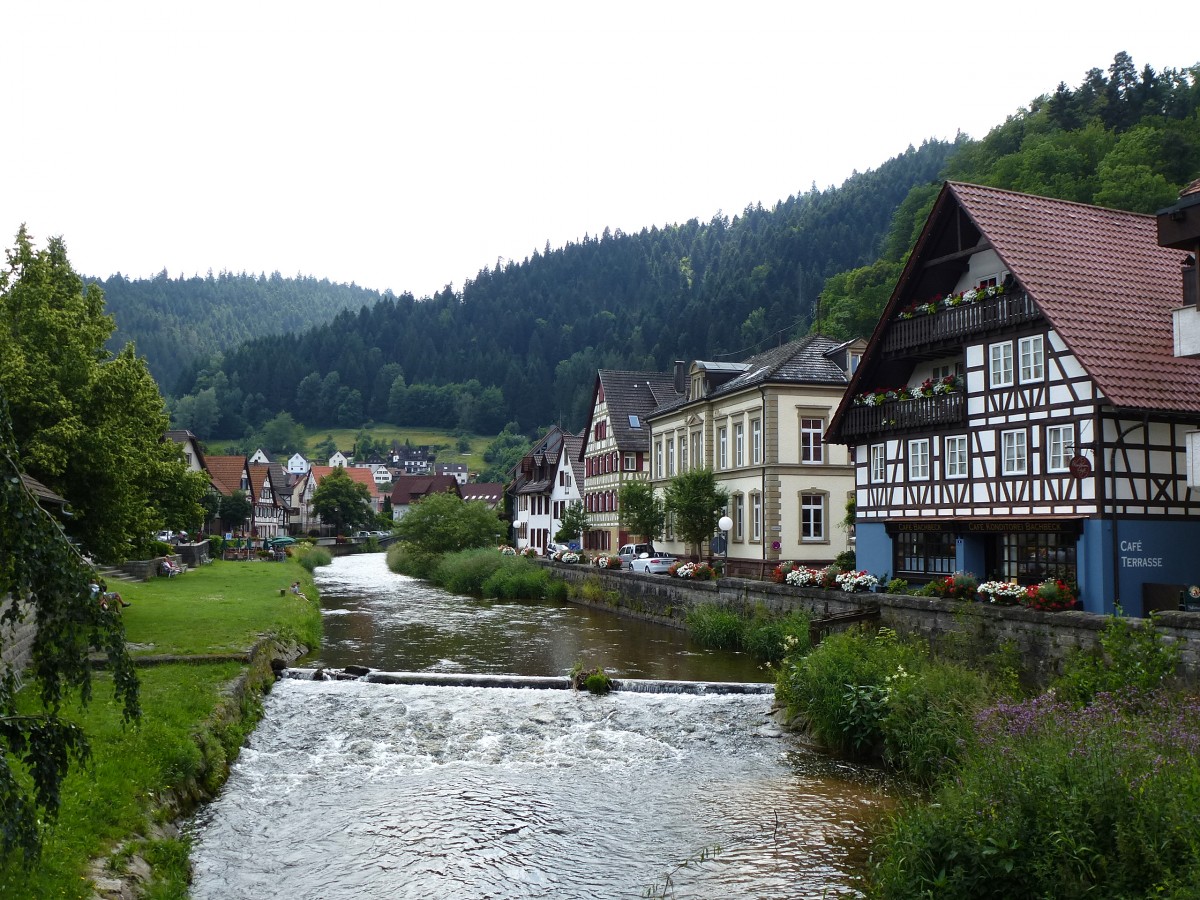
x,y
204,643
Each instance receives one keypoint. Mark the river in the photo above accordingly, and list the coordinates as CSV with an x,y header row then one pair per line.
x,y
349,789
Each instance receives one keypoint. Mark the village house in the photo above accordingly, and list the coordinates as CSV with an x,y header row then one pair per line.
x,y
309,520
229,474
759,426
271,500
1025,408
616,446
542,485
408,489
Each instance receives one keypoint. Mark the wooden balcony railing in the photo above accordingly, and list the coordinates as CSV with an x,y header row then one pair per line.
x,y
959,322
920,412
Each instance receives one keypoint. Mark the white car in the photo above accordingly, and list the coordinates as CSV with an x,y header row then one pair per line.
x,y
652,563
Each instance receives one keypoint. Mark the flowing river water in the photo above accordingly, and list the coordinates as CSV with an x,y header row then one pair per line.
x,y
352,789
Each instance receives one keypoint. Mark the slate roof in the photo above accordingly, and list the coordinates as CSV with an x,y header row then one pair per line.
x,y
1102,281
573,448
407,489
489,492
804,361
40,492
632,393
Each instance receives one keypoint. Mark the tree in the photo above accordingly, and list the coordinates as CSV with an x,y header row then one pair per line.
x,y
640,511
444,523
282,435
574,523
695,501
38,747
341,502
87,424
235,510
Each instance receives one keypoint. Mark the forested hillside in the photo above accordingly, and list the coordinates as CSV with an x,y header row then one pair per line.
x,y
523,342
1123,139
176,321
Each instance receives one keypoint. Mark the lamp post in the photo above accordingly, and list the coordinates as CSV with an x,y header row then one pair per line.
x,y
725,523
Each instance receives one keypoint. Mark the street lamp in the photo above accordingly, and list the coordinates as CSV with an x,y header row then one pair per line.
x,y
725,523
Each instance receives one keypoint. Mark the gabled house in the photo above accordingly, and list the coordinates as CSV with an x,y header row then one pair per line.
x,y
1023,411
260,457
759,425
297,464
408,489
339,459
542,484
271,499
309,520
229,474
458,470
616,445
190,445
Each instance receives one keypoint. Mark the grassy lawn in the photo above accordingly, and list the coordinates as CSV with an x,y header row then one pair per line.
x,y
223,607
176,749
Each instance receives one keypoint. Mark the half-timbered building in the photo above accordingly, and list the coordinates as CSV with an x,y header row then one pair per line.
x,y
544,482
1021,411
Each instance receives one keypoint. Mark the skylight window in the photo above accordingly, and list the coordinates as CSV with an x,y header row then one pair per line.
x,y
635,422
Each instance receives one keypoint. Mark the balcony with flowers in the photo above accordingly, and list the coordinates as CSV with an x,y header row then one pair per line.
x,y
933,403
956,316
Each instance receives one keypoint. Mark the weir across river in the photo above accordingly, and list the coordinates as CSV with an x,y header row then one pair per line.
x,y
383,787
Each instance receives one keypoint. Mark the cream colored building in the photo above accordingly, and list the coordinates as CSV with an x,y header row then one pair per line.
x,y
760,426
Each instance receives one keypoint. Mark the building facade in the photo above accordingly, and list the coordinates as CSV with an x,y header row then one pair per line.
x,y
1021,412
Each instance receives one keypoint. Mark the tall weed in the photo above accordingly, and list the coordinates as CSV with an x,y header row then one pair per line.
x,y
715,627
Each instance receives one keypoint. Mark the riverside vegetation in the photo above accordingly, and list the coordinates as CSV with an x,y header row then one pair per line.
x,y
1091,788
142,776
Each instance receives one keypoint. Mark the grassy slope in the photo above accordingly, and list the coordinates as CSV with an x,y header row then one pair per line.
x,y
344,438
221,608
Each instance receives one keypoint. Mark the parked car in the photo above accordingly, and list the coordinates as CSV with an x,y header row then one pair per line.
x,y
630,552
552,548
653,563
166,537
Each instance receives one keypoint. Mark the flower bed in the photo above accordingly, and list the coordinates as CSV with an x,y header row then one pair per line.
x,y
608,562
1002,593
1052,595
959,586
506,550
854,582
695,571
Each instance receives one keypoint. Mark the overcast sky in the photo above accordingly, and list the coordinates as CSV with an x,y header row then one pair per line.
x,y
405,146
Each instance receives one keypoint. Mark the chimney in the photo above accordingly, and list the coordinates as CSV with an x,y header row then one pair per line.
x,y
680,375
1179,229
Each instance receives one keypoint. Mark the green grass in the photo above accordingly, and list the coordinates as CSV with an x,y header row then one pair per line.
x,y
224,607
130,765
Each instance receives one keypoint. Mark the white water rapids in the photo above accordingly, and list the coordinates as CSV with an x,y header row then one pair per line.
x,y
356,790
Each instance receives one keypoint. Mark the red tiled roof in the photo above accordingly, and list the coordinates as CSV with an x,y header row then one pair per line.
x,y
225,472
362,476
1102,281
408,488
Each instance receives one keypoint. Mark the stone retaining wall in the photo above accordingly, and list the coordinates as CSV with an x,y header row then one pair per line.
x,y
16,638
1043,640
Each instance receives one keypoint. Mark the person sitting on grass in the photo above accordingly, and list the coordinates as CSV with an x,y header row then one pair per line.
x,y
296,588
104,596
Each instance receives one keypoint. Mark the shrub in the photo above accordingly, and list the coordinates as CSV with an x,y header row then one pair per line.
x,y
1058,801
557,589
594,681
769,639
854,582
311,556
846,561
694,571
465,572
897,586
517,580
409,560
1002,593
715,627
1129,657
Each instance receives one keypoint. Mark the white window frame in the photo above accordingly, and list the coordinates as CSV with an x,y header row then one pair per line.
x,y
1014,452
630,462
918,459
739,517
812,517
878,463
1031,351
739,445
1000,365
1060,447
756,507
658,459
670,457
812,440
683,453
756,445
723,447
956,456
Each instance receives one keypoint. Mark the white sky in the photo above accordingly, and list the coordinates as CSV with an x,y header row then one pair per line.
x,y
405,146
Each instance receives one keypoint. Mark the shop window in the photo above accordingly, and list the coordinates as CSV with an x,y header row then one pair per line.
x,y
923,554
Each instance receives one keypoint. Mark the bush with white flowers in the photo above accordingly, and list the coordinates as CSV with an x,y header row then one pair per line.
x,y
856,581
1002,593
